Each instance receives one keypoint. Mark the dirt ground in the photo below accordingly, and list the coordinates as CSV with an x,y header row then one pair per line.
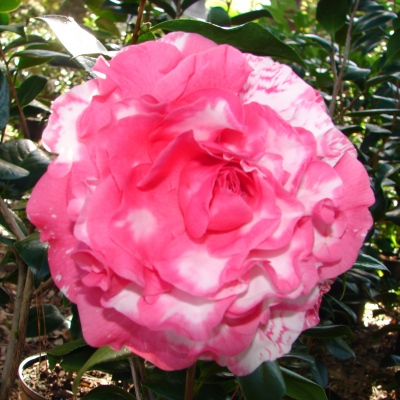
x,y
357,378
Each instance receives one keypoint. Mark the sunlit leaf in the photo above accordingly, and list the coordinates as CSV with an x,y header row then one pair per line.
x,y
250,38
9,5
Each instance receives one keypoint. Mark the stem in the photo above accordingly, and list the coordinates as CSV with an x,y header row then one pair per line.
x,y
178,8
135,376
15,95
21,310
339,79
189,388
138,21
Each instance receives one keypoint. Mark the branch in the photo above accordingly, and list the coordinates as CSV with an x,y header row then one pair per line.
x,y
15,95
339,79
138,21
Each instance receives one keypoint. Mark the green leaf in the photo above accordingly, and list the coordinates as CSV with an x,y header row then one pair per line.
x,y
320,373
145,37
10,171
374,20
19,29
385,330
250,38
168,385
4,99
339,349
300,388
369,113
329,331
108,26
34,253
67,347
390,361
43,319
354,73
9,5
332,14
107,392
30,89
367,262
218,16
267,378
28,62
4,19
187,3
101,355
4,297
394,216
393,47
166,7
26,155
76,40
39,53
250,16
324,43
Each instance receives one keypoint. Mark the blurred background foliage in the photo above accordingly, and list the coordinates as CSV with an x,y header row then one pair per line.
x,y
349,50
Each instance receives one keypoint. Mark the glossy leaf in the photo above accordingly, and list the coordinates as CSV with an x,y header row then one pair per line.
x,y
320,373
339,349
9,5
34,253
187,3
67,347
385,330
107,392
4,297
249,38
394,216
101,355
39,54
108,26
368,113
332,14
76,40
30,89
364,261
4,99
354,73
393,46
218,16
324,43
166,7
250,16
4,19
300,388
10,171
43,319
19,28
168,385
374,20
267,378
391,360
329,331
26,155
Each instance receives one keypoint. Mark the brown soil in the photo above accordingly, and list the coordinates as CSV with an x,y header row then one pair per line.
x,y
357,378
56,384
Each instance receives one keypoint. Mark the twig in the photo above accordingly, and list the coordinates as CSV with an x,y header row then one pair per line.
x,y
15,95
135,376
21,310
189,388
138,21
339,79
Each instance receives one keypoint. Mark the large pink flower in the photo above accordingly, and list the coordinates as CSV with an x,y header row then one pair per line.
x,y
201,200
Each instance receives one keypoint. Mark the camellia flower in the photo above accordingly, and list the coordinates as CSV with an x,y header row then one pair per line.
x,y
201,203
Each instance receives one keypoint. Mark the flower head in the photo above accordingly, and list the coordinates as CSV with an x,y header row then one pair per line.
x,y
201,202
